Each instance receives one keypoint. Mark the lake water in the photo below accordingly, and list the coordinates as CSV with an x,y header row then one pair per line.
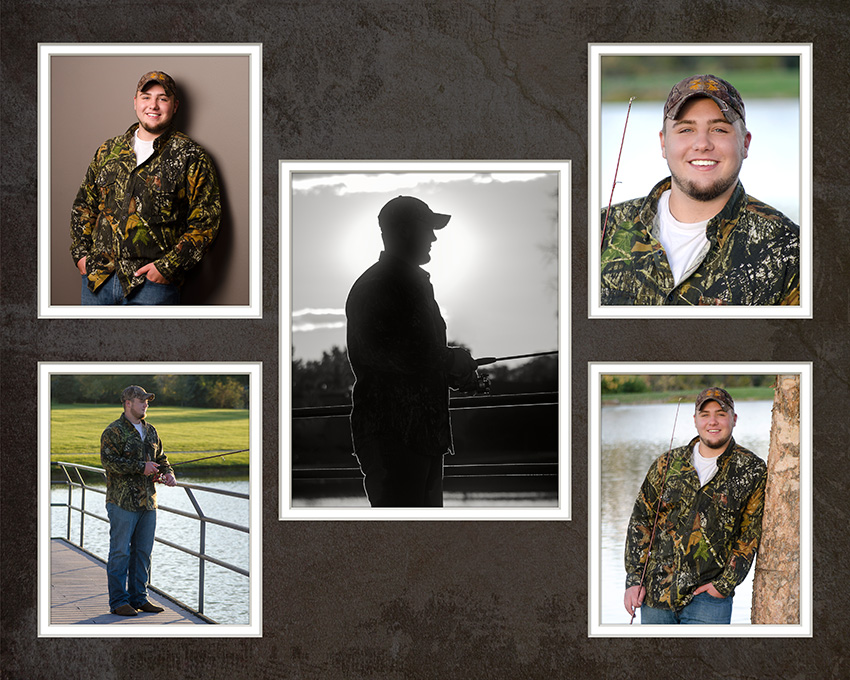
x,y
226,593
631,438
771,172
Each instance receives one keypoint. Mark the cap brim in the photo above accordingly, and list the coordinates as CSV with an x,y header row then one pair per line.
x,y
440,220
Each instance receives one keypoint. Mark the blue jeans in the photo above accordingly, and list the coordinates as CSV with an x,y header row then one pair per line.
x,y
702,609
111,293
128,568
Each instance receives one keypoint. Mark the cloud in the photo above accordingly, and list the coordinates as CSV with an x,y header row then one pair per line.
x,y
310,319
382,182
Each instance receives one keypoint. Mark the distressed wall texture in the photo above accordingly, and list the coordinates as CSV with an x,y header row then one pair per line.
x,y
430,80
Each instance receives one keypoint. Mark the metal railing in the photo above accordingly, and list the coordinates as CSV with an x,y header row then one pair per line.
x,y
481,470
203,520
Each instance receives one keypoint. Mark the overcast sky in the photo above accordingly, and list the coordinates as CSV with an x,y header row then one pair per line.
x,y
492,268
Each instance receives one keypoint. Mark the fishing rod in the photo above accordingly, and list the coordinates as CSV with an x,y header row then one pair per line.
x,y
616,170
481,383
158,476
658,507
492,360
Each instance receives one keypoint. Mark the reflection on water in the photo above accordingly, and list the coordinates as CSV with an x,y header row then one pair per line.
x,y
226,593
450,500
631,438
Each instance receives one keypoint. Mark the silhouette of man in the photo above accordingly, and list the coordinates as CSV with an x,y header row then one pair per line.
x,y
403,366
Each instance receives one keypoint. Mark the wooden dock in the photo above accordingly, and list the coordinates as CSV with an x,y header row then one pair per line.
x,y
78,593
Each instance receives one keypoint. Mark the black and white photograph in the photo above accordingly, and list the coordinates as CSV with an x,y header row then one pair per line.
x,y
382,321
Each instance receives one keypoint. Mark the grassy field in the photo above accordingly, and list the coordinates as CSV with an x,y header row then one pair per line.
x,y
688,396
186,433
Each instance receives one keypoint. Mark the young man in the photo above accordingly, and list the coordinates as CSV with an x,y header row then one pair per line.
x,y
131,453
698,238
707,525
403,367
148,208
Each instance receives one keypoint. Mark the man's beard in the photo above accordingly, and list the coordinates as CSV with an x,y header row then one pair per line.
x,y
709,193
719,445
157,129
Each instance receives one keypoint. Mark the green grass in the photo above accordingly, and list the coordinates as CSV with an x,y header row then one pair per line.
x,y
752,84
688,396
186,433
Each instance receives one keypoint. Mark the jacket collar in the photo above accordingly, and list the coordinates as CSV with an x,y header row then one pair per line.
x,y
718,228
157,143
727,452
126,420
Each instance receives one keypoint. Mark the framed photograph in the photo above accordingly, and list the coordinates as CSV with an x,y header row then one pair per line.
x,y
498,273
204,556
643,414
86,95
629,274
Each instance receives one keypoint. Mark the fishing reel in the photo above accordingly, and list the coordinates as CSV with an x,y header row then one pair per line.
x,y
477,384
482,386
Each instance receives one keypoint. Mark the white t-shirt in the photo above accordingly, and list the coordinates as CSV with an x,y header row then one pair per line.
x,y
684,242
706,467
143,149
140,430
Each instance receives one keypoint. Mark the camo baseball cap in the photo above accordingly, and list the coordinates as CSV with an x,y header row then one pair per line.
x,y
727,97
136,392
717,394
408,209
160,78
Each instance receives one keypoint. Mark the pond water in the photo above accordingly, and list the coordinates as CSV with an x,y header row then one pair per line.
x,y
631,438
226,593
771,172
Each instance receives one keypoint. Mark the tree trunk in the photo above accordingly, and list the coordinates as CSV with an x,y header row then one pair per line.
x,y
776,584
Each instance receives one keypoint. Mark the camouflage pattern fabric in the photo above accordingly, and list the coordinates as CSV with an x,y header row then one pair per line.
x,y
704,535
166,210
398,352
753,257
123,455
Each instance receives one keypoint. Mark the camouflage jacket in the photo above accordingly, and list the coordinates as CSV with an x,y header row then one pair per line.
x,y
123,455
704,534
164,211
752,257
397,349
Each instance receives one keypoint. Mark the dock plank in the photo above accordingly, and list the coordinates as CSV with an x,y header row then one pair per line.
x,y
78,593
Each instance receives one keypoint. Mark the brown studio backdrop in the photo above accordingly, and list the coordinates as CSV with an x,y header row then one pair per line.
x,y
91,100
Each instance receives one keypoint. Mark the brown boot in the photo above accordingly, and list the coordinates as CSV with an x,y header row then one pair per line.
x,y
150,607
125,610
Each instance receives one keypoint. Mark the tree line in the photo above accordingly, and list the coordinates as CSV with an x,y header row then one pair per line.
x,y
199,391
328,381
624,384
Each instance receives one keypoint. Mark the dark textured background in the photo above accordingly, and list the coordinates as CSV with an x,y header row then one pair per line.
x,y
428,80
